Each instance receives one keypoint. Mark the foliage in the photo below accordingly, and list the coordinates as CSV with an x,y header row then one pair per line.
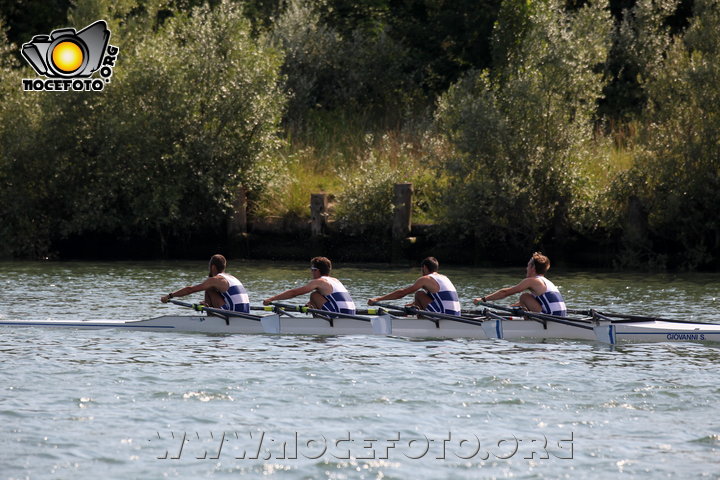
x,y
640,39
679,173
289,194
366,202
517,157
25,19
519,129
332,70
434,42
191,114
443,38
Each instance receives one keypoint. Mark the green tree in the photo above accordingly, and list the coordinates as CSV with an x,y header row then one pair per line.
x,y
25,19
443,38
641,38
191,114
326,68
679,174
519,130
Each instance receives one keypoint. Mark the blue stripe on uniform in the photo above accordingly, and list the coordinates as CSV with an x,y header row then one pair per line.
x,y
332,303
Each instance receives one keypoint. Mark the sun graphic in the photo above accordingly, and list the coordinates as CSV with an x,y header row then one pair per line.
x,y
67,56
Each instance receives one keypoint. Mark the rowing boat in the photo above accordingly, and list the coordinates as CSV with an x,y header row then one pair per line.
x,y
488,327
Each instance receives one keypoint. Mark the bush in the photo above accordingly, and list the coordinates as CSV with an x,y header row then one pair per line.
x,y
640,39
520,130
23,188
326,69
366,202
679,173
191,114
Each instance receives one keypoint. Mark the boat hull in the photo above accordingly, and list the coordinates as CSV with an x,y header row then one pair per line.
x,y
508,329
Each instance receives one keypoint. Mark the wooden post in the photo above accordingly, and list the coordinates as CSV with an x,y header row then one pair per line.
x,y
237,224
635,241
402,218
238,219
318,214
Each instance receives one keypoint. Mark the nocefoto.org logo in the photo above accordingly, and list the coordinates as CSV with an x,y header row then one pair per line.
x,y
68,59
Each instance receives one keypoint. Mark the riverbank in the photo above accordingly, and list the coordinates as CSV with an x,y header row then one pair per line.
x,y
283,240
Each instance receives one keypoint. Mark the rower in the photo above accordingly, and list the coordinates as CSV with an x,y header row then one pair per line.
x,y
328,293
544,296
439,293
222,290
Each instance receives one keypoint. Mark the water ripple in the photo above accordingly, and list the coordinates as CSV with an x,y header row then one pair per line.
x,y
111,404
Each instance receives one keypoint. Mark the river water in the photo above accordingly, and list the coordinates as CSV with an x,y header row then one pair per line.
x,y
122,404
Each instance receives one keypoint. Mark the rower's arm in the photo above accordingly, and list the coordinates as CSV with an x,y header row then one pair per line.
x,y
506,292
292,293
400,293
211,282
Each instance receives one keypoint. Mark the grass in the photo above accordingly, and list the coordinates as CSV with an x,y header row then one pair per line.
x,y
331,146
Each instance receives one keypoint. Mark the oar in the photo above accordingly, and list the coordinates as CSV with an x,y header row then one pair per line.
x,y
491,314
623,318
554,318
306,309
519,312
381,324
374,311
272,308
270,323
603,333
482,312
263,308
219,311
427,313
492,325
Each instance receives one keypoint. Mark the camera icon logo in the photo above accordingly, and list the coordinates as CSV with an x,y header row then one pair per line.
x,y
67,59
66,53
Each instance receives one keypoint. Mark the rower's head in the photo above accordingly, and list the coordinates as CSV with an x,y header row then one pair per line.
x,y
538,264
217,264
320,266
429,265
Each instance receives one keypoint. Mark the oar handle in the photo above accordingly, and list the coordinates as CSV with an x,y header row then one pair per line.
x,y
195,306
397,308
218,311
514,310
432,315
290,307
325,313
263,308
